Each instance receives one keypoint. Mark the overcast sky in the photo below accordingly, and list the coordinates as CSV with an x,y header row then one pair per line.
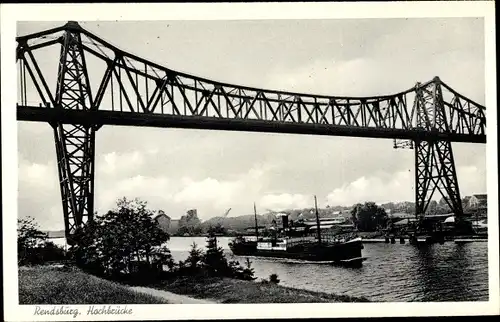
x,y
175,169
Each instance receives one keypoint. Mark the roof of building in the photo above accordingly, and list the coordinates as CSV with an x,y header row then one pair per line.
x,y
479,201
161,215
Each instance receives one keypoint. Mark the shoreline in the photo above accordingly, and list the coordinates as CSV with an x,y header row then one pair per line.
x,y
48,284
456,240
228,290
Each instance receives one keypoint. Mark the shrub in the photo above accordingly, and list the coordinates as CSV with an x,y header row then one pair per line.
x,y
273,278
248,272
213,262
51,252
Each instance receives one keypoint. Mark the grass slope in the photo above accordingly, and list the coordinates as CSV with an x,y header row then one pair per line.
x,y
226,290
50,285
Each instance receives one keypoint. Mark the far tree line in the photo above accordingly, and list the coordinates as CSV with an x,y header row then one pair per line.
x,y
366,217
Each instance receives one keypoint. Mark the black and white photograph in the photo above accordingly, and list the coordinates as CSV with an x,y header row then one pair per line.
x,y
194,156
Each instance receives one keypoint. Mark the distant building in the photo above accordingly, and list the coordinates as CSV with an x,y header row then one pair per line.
x,y
251,230
400,223
346,212
478,203
401,215
166,223
396,214
174,225
326,221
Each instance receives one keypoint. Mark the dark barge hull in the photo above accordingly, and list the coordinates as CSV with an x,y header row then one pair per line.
x,y
349,252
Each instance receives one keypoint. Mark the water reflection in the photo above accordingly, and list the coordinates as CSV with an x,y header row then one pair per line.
x,y
452,272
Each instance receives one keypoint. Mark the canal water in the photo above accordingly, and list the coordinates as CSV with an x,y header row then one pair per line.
x,y
391,272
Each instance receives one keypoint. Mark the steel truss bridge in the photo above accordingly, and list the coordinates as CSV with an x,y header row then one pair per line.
x,y
97,83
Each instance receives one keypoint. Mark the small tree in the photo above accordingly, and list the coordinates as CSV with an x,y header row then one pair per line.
x,y
214,260
248,272
235,269
369,216
193,263
29,237
162,256
87,251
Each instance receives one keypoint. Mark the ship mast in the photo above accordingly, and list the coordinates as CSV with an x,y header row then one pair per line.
x,y
317,220
256,227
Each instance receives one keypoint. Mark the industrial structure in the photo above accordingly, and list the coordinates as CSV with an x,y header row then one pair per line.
x,y
123,89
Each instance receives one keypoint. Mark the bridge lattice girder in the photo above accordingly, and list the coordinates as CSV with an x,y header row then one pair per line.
x,y
132,90
128,90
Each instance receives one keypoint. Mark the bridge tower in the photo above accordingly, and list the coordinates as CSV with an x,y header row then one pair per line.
x,y
434,162
75,143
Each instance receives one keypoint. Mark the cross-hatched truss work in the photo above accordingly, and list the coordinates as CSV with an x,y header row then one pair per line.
x,y
74,142
123,89
434,163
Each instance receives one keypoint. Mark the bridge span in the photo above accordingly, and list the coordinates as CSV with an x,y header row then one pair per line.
x,y
132,91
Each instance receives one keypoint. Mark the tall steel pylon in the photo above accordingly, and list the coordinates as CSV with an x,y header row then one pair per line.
x,y
434,162
75,143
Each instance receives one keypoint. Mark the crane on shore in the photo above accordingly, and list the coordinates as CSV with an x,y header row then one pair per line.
x,y
221,219
226,213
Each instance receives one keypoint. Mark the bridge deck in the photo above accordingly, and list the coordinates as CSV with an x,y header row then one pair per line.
x,y
30,113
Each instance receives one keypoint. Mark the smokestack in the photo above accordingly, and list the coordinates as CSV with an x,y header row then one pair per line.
x,y
285,221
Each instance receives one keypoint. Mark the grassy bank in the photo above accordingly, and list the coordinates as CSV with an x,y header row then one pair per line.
x,y
50,285
226,290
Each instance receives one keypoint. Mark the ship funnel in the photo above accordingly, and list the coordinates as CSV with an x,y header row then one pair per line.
x,y
285,222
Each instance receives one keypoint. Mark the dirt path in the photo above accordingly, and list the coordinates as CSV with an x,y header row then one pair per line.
x,y
170,297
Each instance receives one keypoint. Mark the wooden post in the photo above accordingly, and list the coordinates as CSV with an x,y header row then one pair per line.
x,y
256,226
